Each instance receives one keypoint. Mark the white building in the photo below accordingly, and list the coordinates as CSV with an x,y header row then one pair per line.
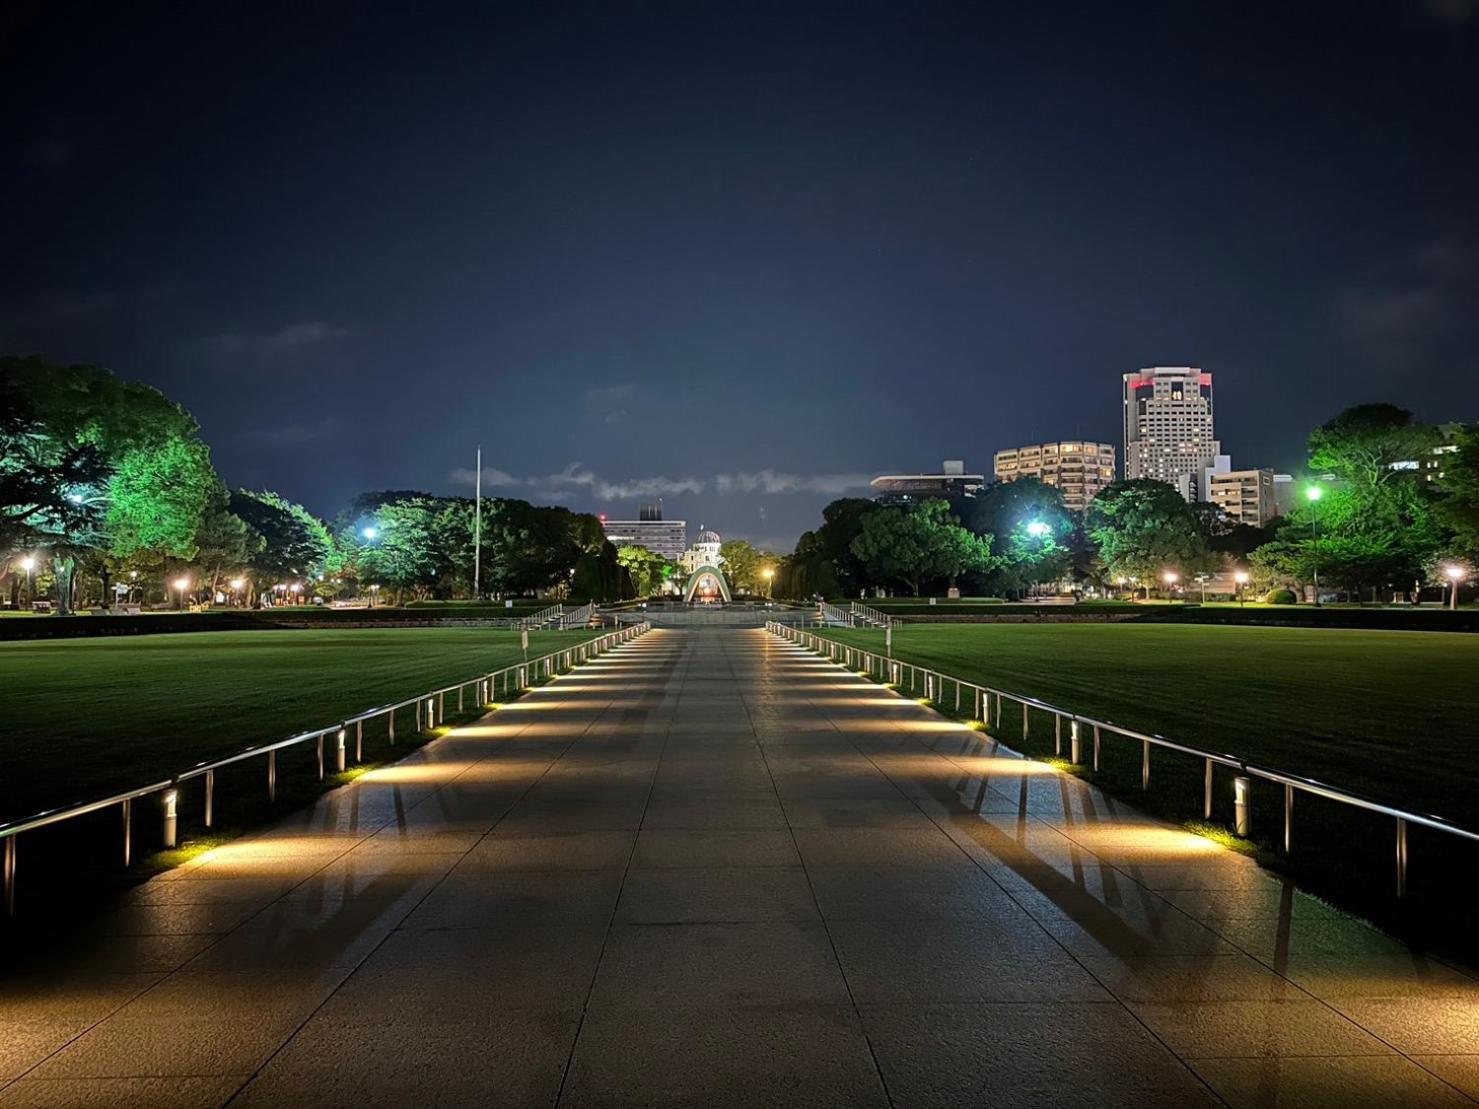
x,y
1078,469
1245,496
951,481
1169,433
668,538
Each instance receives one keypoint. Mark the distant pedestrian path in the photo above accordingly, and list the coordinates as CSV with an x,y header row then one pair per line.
x,y
712,869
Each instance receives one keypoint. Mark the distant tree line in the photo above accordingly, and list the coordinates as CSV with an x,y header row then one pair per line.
x,y
107,483
1397,503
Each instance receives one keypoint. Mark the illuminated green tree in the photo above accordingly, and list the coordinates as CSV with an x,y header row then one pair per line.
x,y
915,545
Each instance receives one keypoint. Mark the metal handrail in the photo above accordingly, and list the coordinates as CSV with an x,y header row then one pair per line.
x,y
836,615
577,617
430,706
542,617
871,615
876,665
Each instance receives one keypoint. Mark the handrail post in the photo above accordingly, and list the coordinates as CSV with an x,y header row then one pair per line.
x,y
1057,735
10,852
1242,805
1024,721
339,753
1075,744
1401,858
271,776
128,831
392,727
1288,818
1207,792
359,741
210,798
1096,748
1145,766
320,756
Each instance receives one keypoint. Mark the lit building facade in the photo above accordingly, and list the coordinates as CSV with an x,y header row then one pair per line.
x,y
1169,433
704,552
951,481
668,538
1245,496
1080,470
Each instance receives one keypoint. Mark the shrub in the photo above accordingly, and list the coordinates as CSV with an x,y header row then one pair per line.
x,y
1281,597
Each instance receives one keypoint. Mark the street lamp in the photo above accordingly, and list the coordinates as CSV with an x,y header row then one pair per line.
x,y
374,589
1037,529
237,585
1455,574
297,588
769,575
1313,493
1241,577
1170,577
182,584
28,564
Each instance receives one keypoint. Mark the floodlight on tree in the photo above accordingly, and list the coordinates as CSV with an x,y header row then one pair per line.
x,y
1037,529
370,533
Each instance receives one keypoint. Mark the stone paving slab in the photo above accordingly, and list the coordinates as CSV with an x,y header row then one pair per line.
x,y
711,869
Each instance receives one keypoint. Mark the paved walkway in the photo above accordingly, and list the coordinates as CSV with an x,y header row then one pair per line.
x,y
709,869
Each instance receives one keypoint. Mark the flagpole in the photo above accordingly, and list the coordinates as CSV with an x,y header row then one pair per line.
x,y
477,534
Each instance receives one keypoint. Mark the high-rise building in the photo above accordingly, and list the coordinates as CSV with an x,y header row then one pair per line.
x,y
951,481
1246,496
1168,427
668,538
1077,468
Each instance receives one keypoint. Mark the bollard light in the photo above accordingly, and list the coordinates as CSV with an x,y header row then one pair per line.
x,y
339,750
1076,747
1242,804
171,817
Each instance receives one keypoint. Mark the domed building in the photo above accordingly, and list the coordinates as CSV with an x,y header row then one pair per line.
x,y
702,565
703,552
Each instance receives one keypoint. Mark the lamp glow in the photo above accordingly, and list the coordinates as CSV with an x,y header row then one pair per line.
x,y
182,584
1455,573
369,533
1314,492
1241,577
1170,577
28,564
1037,529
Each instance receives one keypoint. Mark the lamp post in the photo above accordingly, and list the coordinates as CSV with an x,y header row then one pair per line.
x,y
769,575
1170,577
373,590
237,585
1313,493
28,564
1455,575
297,590
1241,577
182,584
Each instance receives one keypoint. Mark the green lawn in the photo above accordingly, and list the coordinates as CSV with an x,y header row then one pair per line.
x,y
1388,714
88,717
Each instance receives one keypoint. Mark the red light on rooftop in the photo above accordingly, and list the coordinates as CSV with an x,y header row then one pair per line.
x,y
1206,379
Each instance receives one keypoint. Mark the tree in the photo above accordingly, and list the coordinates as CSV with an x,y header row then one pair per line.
x,y
1371,446
293,543
152,474
1458,507
741,565
645,569
1143,528
914,545
1378,523
1031,533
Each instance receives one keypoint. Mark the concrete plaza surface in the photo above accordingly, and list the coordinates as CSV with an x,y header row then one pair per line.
x,y
712,869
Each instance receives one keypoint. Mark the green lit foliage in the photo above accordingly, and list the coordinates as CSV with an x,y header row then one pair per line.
x,y
1143,528
1031,533
1459,507
152,475
919,544
294,544
1377,523
742,564
646,569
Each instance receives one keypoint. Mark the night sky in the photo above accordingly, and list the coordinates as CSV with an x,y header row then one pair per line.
x,y
741,256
